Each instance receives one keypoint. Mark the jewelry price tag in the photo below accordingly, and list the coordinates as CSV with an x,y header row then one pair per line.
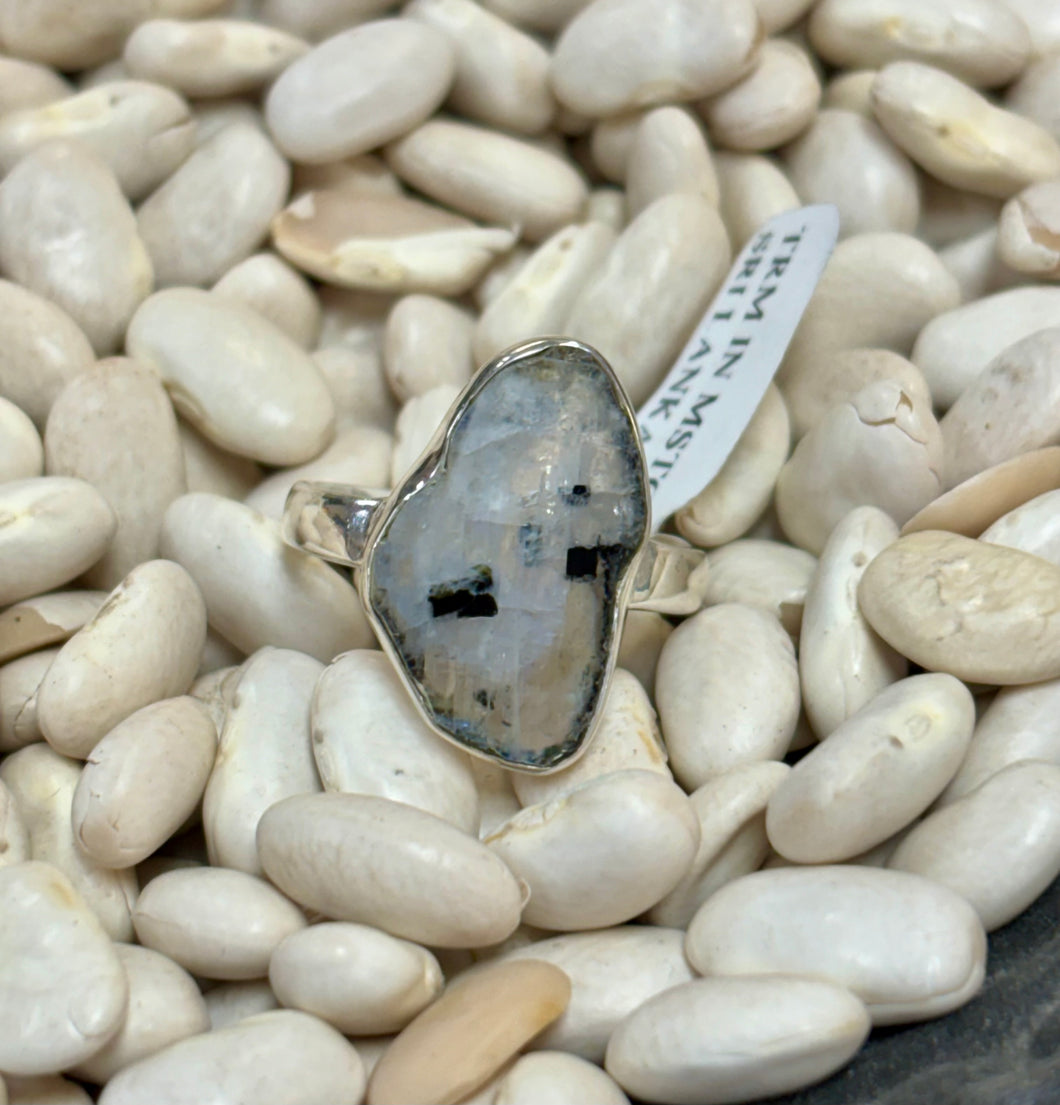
x,y
695,417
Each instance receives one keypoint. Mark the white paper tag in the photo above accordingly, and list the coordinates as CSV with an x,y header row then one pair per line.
x,y
695,417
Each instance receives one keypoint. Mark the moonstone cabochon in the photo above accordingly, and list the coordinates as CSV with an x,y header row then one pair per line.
x,y
497,575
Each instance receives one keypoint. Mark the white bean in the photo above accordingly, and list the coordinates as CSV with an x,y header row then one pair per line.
x,y
668,153
296,1055
164,1006
99,275
359,89
427,343
998,847
373,861
143,780
114,427
263,753
612,972
358,979
215,210
369,738
269,285
877,771
727,690
617,54
238,378
63,984
42,784
910,949
215,922
143,645
719,1040
259,591
602,852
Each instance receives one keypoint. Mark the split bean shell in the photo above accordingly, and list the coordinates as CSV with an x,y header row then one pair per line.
x,y
469,1033
369,738
359,89
998,847
64,986
1021,723
263,754
297,1056
843,664
143,645
99,275
664,267
356,978
877,771
490,176
846,159
1008,409
602,852
980,41
386,243
142,131
910,949
217,57
1029,231
257,590
982,612
164,1006
114,427
53,529
41,348
727,691
215,922
612,972
719,1040
615,55
954,347
45,620
369,860
42,784
143,780
238,378
19,681
957,135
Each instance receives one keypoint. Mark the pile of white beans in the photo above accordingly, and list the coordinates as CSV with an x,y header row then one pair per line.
x,y
251,242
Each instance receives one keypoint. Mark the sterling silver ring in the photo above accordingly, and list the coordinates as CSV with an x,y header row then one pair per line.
x,y
497,574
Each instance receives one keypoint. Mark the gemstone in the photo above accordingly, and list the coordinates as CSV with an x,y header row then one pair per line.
x,y
497,575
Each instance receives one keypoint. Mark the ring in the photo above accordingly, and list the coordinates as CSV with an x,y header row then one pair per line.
x,y
498,573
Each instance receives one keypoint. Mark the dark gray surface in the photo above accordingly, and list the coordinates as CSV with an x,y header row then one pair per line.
x,y
1003,1048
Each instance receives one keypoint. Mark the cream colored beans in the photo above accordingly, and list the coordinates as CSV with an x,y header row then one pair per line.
x,y
245,243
